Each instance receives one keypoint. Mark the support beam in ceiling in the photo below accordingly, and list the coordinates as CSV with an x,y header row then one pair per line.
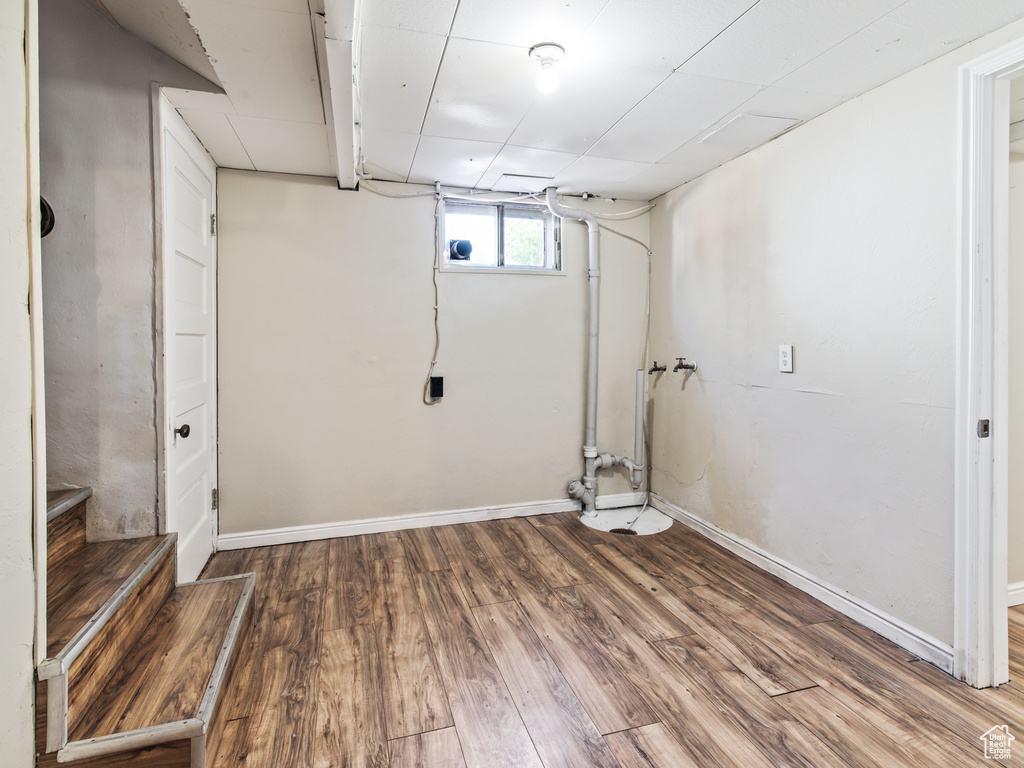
x,y
336,33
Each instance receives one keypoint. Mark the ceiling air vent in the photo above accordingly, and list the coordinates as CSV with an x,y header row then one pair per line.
x,y
748,131
514,182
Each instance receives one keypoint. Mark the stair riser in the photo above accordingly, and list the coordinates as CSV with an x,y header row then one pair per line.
x,y
219,719
65,534
91,671
177,754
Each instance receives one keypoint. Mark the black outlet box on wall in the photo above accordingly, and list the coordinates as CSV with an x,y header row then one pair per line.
x,y
436,387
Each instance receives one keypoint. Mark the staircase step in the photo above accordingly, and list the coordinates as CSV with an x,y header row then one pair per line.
x,y
61,500
65,523
100,599
86,580
167,688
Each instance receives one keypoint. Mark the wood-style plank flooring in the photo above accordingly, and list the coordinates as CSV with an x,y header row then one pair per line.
x,y
539,642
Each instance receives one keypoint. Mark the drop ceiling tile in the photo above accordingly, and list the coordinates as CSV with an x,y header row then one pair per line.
x,y
589,174
183,98
397,74
866,60
657,32
264,59
703,157
482,91
216,134
905,39
674,113
387,154
789,102
526,161
652,181
590,99
955,21
453,162
777,37
431,16
282,146
526,22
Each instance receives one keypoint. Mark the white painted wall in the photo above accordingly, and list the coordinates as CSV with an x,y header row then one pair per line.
x,y
17,591
326,333
97,173
839,238
1015,543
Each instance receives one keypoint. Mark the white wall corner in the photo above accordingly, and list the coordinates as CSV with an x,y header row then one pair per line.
x,y
297,533
919,643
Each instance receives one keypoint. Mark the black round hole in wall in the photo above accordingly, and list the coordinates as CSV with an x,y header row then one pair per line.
x,y
459,250
47,220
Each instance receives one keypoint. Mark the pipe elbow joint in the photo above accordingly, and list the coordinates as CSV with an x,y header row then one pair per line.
x,y
636,473
580,492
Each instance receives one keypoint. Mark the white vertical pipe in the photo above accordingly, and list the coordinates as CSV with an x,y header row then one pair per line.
x,y
594,276
637,473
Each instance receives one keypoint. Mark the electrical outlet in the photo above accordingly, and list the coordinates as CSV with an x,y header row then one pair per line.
x,y
785,358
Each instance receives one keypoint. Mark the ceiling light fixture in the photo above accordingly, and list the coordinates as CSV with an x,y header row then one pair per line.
x,y
547,54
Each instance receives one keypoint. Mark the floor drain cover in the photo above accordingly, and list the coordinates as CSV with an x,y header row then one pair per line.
x,y
623,531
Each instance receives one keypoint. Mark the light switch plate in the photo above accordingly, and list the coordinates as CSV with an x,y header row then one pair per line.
x,y
785,358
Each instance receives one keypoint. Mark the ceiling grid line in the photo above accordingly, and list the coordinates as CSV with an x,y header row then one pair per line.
x,y
654,92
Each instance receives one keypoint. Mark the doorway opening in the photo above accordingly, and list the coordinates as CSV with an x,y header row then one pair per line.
x,y
980,642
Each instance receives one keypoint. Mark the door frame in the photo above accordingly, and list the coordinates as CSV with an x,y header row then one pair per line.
x,y
165,115
980,645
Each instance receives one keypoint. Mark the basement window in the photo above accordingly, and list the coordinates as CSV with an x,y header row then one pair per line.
x,y
501,237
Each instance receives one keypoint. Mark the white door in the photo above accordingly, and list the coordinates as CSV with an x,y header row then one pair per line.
x,y
189,341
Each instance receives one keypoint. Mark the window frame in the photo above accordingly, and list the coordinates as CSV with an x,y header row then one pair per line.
x,y
553,239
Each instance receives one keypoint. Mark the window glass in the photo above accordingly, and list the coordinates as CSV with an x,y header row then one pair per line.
x,y
524,238
510,236
479,225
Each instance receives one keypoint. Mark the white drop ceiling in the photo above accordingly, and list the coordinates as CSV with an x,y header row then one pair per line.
x,y
652,93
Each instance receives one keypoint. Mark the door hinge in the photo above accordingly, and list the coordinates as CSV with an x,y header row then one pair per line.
x,y
213,224
984,428
215,499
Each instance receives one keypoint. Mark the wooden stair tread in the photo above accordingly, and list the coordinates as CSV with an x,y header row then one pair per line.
x,y
164,678
61,500
83,582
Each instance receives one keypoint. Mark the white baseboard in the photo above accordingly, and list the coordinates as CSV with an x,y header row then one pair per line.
x,y
1015,594
899,632
298,533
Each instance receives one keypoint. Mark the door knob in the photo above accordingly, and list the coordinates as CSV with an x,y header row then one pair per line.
x,y
183,430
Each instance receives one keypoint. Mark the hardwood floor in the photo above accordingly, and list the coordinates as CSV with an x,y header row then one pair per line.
x,y
539,642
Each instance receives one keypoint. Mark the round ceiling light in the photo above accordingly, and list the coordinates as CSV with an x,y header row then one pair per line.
x,y
547,54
